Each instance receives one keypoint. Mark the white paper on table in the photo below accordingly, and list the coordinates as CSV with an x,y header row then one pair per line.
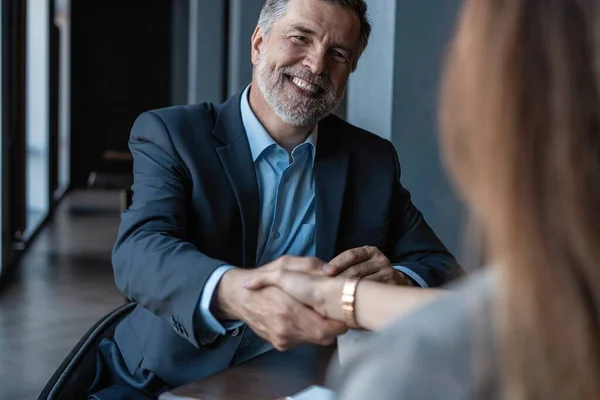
x,y
313,392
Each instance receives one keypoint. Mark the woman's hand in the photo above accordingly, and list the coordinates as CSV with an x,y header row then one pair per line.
x,y
323,294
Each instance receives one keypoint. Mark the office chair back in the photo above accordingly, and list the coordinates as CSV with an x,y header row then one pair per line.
x,y
77,372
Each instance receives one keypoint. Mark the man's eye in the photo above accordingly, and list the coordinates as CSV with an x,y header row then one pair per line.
x,y
299,38
339,56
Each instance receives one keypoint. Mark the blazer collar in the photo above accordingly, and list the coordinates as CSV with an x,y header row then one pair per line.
x,y
229,127
331,172
235,157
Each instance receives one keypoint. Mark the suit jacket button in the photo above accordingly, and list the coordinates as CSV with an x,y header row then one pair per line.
x,y
235,332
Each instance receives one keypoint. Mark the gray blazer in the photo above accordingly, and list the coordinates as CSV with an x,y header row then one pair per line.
x,y
195,207
444,351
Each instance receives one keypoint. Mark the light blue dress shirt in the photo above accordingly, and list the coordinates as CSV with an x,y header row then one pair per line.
x,y
286,188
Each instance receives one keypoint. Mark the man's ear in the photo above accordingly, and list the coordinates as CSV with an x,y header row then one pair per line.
x,y
258,39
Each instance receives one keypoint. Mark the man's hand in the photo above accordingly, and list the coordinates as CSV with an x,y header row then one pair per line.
x,y
366,262
307,265
321,293
270,312
284,322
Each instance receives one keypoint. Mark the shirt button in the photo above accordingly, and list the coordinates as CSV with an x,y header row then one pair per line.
x,y
235,332
276,235
246,343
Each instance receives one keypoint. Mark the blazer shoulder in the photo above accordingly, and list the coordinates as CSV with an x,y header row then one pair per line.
x,y
184,113
356,139
181,122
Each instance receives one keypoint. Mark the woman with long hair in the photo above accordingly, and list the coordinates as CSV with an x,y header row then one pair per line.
x,y
520,119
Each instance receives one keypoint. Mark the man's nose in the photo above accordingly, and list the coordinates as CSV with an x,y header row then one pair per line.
x,y
317,63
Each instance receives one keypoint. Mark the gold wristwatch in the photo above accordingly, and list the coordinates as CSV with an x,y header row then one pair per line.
x,y
348,302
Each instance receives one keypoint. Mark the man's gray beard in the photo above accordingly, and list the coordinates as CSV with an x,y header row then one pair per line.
x,y
294,108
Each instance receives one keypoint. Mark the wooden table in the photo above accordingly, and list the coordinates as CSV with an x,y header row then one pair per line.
x,y
272,375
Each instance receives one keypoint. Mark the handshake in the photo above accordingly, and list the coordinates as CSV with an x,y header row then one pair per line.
x,y
295,300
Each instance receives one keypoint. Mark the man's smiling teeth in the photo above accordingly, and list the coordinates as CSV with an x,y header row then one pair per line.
x,y
302,84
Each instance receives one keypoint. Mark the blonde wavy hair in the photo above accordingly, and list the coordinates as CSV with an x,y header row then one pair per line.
x,y
520,116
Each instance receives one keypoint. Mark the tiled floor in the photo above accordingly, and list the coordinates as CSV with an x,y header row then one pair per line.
x,y
64,284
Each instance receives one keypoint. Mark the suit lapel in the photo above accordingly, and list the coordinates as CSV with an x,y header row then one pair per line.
x,y
331,171
237,162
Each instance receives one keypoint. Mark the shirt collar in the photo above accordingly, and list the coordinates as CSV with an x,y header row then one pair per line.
x,y
258,137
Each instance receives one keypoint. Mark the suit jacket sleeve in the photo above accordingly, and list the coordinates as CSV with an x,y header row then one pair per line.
x,y
154,263
414,245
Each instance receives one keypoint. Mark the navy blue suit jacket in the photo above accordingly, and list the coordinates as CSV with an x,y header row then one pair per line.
x,y
195,207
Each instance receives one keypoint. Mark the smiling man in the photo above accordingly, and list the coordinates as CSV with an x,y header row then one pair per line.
x,y
221,190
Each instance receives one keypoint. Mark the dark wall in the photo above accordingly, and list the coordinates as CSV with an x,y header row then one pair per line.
x,y
180,18
423,31
120,67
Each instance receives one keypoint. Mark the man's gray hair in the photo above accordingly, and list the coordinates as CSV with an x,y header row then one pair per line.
x,y
274,9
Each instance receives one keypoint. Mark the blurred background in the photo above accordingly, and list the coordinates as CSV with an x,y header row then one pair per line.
x,y
76,73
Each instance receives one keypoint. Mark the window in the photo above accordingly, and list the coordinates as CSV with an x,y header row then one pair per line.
x,y
37,114
62,19
1,131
